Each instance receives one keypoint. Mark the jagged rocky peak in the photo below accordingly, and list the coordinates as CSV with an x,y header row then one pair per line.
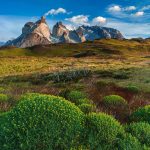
x,y
37,33
64,35
59,29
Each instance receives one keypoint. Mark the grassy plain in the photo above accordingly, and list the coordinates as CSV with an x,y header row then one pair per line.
x,y
114,65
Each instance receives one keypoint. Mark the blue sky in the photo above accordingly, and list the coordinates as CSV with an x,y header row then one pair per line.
x,y
132,18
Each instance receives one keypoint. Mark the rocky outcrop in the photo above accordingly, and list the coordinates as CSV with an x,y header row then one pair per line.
x,y
37,33
61,34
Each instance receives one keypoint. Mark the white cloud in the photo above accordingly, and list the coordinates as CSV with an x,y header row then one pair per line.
x,y
139,14
80,19
130,8
115,8
56,11
99,21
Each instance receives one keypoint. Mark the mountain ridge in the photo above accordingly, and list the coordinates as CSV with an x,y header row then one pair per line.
x,y
39,33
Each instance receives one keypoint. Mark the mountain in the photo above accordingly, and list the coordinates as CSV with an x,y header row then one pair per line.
x,y
38,33
64,35
96,32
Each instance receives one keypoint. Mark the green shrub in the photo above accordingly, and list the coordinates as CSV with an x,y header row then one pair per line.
x,y
3,98
141,131
128,142
102,131
142,114
75,96
87,108
114,100
43,122
132,89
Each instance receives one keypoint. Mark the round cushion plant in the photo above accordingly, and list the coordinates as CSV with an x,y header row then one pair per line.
x,y
43,122
141,131
114,100
142,114
102,131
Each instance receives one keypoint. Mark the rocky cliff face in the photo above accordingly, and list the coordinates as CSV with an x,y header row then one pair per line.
x,y
38,33
62,34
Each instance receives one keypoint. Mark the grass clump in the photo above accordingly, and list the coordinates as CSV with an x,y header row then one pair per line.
x,y
114,100
141,131
43,122
102,131
142,114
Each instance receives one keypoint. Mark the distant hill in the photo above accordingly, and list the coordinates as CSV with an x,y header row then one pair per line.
x,y
38,33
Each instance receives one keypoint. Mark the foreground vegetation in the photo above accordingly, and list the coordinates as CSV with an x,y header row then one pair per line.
x,y
97,97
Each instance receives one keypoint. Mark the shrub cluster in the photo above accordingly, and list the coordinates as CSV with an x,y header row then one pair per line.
x,y
114,100
43,122
141,114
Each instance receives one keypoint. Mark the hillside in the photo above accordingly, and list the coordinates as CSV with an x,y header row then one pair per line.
x,y
97,47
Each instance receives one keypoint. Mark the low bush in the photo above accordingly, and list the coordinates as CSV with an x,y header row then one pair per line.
x,y
87,108
132,89
114,100
128,142
75,96
141,131
142,114
102,131
43,122
3,98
